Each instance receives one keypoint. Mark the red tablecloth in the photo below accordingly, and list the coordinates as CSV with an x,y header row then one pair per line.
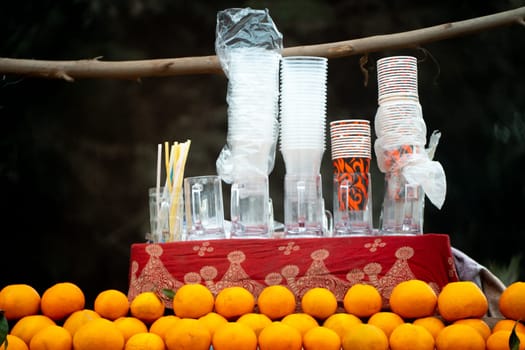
x,y
299,263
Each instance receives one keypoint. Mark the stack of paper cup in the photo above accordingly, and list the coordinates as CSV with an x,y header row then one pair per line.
x,y
303,118
397,78
351,154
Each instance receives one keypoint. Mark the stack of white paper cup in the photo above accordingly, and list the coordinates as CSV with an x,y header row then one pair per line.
x,y
397,78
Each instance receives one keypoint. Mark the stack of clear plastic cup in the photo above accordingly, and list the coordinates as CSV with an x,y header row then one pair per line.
x,y
401,137
302,142
253,100
351,155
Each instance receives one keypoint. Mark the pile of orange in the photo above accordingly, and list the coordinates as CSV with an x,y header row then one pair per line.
x,y
416,318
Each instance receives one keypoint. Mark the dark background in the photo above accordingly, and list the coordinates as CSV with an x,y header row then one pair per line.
x,y
76,159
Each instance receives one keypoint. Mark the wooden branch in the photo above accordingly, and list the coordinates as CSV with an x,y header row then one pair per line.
x,y
95,68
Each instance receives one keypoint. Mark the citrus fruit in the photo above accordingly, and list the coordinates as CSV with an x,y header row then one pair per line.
x,y
193,301
97,334
255,321
234,335
212,321
61,300
19,300
162,324
188,333
413,299
78,318
111,304
14,343
341,322
145,341
232,302
512,301
147,307
461,299
365,337
300,321
52,337
319,302
507,324
386,320
478,324
276,301
129,326
362,300
410,336
500,340
459,336
432,324
26,327
279,336
321,338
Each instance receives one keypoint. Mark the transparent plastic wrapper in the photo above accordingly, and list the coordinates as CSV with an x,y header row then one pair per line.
x,y
249,47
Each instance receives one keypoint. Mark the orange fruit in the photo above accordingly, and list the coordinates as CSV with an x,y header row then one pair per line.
x,y
26,327
97,334
234,335
410,336
193,301
79,318
386,320
507,324
147,307
303,322
478,324
276,301
162,324
413,299
130,326
500,340
461,299
111,304
279,336
365,337
232,302
61,300
319,302
145,341
432,324
19,300
188,334
341,322
212,321
52,337
459,336
512,301
362,300
14,343
255,321
321,338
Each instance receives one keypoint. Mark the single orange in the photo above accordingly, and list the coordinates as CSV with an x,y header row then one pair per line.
x,y
162,324
301,321
234,335
147,307
190,334
98,334
432,324
145,341
411,336
79,318
193,301
19,300
279,336
321,338
386,320
413,299
61,300
319,302
365,337
255,321
111,304
276,301
362,300
459,336
512,301
341,322
461,299
130,326
52,337
232,302
212,321
478,324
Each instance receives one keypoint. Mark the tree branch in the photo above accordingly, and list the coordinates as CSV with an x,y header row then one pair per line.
x,y
95,68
